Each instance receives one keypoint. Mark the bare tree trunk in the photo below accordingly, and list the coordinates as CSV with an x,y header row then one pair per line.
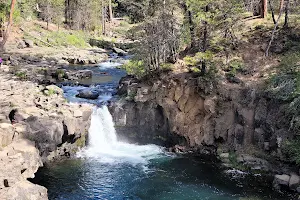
x,y
273,33
286,19
204,44
281,4
103,17
192,29
110,11
10,21
264,12
272,10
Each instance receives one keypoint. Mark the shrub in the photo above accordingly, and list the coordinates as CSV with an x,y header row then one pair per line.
x,y
49,92
292,149
21,75
191,61
61,38
166,67
60,73
235,66
135,68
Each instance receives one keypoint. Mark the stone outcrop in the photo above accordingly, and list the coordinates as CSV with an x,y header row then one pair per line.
x,y
51,129
202,115
19,161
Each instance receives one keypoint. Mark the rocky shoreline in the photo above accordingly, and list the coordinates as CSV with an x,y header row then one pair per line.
x,y
52,129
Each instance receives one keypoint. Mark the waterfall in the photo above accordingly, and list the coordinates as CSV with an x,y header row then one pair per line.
x,y
102,134
104,146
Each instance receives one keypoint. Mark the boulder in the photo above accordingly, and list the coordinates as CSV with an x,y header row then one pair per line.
x,y
119,51
19,161
88,94
281,180
62,62
21,45
294,181
45,132
224,155
29,43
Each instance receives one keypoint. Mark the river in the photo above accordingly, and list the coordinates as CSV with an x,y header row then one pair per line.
x,y
112,169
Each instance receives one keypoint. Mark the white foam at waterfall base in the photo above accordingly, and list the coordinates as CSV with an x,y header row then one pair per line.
x,y
104,146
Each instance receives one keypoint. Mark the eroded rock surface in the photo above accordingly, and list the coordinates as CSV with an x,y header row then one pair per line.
x,y
205,116
52,129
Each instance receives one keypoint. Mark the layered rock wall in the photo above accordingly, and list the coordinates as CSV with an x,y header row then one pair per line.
x,y
201,115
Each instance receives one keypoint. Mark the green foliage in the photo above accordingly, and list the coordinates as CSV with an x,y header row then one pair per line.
x,y
235,66
293,111
80,142
60,38
195,70
136,68
60,73
292,149
123,28
191,61
26,8
198,58
4,11
21,75
50,92
285,85
166,67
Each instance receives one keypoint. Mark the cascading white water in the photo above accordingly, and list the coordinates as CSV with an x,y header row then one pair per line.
x,y
102,134
104,146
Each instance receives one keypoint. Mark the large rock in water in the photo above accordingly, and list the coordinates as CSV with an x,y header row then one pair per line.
x,y
120,52
88,94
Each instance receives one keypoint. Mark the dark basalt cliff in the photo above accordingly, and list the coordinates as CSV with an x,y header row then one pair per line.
x,y
194,115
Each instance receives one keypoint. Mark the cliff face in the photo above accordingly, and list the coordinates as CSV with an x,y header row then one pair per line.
x,y
200,115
